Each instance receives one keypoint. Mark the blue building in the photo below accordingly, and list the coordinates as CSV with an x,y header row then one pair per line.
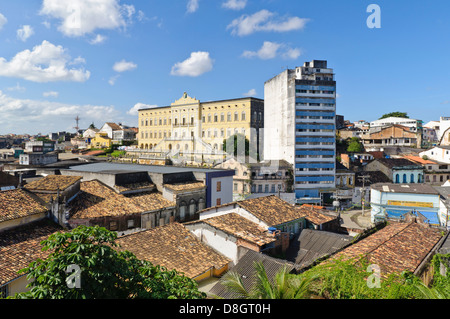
x,y
390,200
300,127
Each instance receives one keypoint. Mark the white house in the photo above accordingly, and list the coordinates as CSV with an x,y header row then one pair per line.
x,y
411,123
438,153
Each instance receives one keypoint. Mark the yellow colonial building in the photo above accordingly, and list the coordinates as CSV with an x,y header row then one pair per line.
x,y
191,127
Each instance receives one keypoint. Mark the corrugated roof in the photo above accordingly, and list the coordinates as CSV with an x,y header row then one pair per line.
x,y
246,269
314,244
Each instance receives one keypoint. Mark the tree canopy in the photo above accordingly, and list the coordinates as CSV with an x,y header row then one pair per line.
x,y
395,114
86,264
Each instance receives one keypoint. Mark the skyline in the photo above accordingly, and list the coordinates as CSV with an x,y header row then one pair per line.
x,y
59,61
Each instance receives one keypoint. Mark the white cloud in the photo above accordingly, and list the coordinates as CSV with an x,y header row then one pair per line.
x,y
112,80
3,21
99,39
252,92
123,66
270,50
80,17
46,116
134,110
192,6
17,88
197,64
50,94
45,63
265,20
234,4
25,32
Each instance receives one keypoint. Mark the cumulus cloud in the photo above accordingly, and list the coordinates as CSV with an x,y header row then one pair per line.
x,y
270,50
123,66
192,6
252,92
3,21
50,94
265,20
25,32
234,4
80,17
135,109
198,63
98,39
47,116
44,63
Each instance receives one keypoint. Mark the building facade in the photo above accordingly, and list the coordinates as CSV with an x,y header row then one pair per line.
x,y
191,127
300,127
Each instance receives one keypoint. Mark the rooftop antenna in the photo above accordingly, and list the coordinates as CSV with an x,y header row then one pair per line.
x,y
77,119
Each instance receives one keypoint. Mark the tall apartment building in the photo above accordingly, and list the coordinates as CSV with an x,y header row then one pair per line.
x,y
191,127
300,127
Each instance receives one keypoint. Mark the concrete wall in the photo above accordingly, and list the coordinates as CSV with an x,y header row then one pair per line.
x,y
279,118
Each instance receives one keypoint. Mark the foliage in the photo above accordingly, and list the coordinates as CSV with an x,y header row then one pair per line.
x,y
339,279
395,114
283,286
106,272
355,146
238,149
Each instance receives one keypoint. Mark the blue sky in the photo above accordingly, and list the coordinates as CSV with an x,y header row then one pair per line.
x,y
103,59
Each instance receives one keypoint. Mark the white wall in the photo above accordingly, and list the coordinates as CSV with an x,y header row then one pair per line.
x,y
226,190
279,118
219,242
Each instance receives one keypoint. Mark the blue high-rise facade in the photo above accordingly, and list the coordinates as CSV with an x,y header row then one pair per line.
x,y
300,127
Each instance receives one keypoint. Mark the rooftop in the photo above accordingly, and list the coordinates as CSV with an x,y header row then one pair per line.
x,y
271,209
397,162
21,245
397,247
174,247
314,244
185,186
52,183
151,201
240,227
98,200
405,188
315,215
19,203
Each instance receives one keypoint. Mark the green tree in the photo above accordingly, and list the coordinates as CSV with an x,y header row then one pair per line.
x,y
105,271
283,286
395,114
355,146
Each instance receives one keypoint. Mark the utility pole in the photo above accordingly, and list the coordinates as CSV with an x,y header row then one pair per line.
x,y
363,178
77,120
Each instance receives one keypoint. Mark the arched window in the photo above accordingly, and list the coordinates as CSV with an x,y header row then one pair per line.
x,y
404,178
183,210
412,178
192,207
236,116
201,204
222,117
243,116
397,178
229,117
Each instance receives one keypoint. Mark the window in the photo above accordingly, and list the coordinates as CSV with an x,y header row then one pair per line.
x,y
130,223
404,178
243,116
219,186
412,178
218,201
113,225
229,117
236,116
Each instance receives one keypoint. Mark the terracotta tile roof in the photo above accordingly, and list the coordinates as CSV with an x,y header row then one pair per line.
x,y
185,186
18,203
21,245
240,227
315,215
174,247
114,126
98,200
53,183
151,201
395,248
134,186
271,209
418,159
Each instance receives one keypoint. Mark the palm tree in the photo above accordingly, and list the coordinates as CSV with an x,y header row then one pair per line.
x,y
431,293
284,285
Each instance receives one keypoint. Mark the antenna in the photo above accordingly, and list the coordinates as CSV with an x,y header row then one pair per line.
x,y
77,119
